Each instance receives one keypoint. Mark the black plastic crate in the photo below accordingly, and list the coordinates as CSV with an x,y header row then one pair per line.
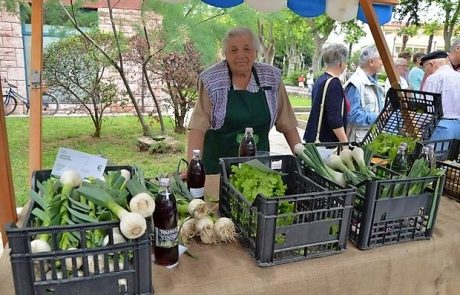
x,y
448,150
409,113
130,272
317,226
381,217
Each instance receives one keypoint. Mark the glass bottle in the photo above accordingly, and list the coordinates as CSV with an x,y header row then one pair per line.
x,y
165,245
399,163
196,175
425,154
432,156
248,145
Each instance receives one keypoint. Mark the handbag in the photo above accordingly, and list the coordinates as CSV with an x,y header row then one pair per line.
x,y
321,108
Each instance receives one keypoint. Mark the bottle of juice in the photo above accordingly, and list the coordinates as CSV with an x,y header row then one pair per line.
x,y
248,145
196,176
165,245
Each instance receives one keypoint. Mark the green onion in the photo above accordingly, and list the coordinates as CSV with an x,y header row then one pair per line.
x,y
132,224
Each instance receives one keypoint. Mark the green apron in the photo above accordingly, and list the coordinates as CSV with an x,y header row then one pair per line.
x,y
244,109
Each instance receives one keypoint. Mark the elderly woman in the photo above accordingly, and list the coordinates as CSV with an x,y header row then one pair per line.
x,y
328,116
235,93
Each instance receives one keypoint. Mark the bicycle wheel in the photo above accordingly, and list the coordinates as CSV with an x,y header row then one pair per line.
x,y
9,104
50,104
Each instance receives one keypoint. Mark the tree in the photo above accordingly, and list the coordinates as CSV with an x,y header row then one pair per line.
x,y
353,33
76,69
321,27
292,41
406,32
117,61
450,12
451,17
431,29
179,73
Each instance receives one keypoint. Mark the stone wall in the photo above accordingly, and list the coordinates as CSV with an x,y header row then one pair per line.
x,y
129,22
12,52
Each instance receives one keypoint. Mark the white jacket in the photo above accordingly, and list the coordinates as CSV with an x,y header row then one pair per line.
x,y
369,92
372,100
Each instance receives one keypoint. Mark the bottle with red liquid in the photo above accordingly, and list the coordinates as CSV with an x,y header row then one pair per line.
x,y
166,242
248,144
196,176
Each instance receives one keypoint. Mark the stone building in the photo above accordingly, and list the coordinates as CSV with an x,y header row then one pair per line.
x,y
15,44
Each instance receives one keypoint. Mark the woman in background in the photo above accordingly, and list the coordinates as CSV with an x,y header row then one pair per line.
x,y
328,118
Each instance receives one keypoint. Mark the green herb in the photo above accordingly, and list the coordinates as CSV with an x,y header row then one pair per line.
x,y
386,145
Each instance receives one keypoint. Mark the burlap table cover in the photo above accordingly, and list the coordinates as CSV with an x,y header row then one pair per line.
x,y
416,268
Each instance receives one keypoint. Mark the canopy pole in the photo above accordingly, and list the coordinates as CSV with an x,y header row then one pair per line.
x,y
380,42
7,199
387,60
35,119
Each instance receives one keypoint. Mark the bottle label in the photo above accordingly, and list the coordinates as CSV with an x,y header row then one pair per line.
x,y
166,238
197,192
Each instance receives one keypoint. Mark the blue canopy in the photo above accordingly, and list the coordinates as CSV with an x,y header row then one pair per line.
x,y
311,8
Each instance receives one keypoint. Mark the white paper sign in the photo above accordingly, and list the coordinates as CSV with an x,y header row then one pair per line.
x,y
86,164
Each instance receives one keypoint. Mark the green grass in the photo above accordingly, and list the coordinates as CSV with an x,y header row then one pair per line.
x,y
117,143
300,101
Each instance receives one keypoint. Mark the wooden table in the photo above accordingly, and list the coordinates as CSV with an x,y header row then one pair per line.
x,y
422,267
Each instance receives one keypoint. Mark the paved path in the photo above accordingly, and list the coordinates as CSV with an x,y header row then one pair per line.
x,y
278,143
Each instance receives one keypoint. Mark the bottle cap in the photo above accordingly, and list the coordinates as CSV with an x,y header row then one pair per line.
x,y
196,152
164,181
249,129
425,149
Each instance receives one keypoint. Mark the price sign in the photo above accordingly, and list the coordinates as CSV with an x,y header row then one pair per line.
x,y
86,164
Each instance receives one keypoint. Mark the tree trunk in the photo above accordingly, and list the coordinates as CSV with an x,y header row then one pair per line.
x,y
155,100
350,48
316,58
291,59
405,38
267,44
430,43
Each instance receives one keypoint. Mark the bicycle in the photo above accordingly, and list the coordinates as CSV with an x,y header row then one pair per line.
x,y
50,104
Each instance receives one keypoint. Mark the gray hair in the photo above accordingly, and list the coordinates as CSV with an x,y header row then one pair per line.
x,y
240,31
334,54
367,54
400,61
455,44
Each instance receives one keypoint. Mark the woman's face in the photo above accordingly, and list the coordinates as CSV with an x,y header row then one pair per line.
x,y
240,54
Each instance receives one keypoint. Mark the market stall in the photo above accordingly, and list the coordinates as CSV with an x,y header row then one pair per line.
x,y
374,12
418,267
415,268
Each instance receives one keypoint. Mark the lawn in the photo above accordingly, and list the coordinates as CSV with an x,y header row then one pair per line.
x,y
300,101
117,143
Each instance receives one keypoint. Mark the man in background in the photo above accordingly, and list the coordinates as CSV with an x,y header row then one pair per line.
x,y
454,55
443,79
407,56
402,67
416,73
365,95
